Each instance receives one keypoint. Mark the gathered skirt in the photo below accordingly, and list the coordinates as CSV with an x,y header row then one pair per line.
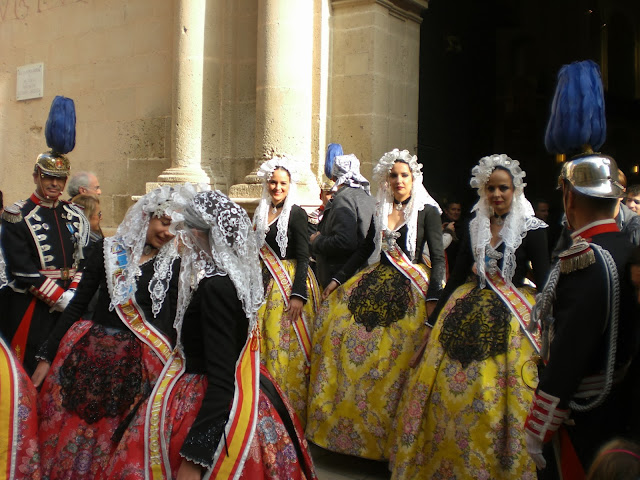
x,y
281,351
96,383
463,408
272,454
19,450
365,336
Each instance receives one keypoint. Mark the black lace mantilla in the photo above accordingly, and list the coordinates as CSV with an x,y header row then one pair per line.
x,y
381,297
476,328
102,375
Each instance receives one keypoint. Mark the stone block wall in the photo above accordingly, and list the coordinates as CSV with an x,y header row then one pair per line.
x,y
114,58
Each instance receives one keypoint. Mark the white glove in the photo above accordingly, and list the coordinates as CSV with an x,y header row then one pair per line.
x,y
534,448
63,301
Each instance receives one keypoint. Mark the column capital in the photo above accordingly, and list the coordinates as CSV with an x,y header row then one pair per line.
x,y
408,9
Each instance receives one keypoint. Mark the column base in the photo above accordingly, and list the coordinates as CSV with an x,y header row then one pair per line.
x,y
184,174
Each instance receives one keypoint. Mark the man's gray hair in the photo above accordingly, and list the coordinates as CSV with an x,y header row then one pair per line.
x,y
80,179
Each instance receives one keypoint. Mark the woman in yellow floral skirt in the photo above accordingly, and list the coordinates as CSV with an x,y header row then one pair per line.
x,y
370,327
463,407
291,290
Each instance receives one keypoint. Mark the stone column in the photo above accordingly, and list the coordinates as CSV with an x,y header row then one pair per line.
x,y
186,130
283,95
375,76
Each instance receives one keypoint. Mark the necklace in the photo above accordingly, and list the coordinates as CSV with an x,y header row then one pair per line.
x,y
499,219
275,208
148,249
400,205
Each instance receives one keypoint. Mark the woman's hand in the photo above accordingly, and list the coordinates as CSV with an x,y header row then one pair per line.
x,y
330,288
295,308
313,237
189,471
40,373
415,360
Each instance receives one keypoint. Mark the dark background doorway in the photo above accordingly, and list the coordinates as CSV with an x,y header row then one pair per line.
x,y
487,78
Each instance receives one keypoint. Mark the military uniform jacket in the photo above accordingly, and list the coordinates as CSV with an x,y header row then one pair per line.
x,y
580,337
42,243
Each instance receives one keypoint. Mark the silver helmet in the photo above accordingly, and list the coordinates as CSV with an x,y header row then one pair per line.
x,y
593,175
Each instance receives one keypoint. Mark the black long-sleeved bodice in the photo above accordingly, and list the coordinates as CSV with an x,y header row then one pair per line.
x,y
94,279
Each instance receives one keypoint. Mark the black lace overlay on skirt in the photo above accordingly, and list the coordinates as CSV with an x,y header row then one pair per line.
x,y
476,328
102,375
266,277
381,297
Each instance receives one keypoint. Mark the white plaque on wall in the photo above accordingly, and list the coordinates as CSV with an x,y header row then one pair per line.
x,y
30,81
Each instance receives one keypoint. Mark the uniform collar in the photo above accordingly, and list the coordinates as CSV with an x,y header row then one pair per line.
x,y
43,202
595,228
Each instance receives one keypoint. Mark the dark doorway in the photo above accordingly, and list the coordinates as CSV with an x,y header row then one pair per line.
x,y
487,77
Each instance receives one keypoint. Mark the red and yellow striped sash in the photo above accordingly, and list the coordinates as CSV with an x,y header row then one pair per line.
x,y
156,449
240,427
132,316
281,277
8,412
243,417
405,266
517,303
314,295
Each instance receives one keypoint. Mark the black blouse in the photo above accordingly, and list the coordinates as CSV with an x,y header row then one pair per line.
x,y
429,229
297,248
532,249
94,279
214,332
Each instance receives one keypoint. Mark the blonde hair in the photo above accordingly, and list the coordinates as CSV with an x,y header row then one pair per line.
x,y
90,203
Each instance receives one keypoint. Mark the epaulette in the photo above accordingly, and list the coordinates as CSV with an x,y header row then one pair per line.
x,y
13,213
577,257
312,217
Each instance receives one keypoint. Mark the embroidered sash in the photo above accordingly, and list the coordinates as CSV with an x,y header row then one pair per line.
x,y
516,302
156,450
418,278
8,412
315,291
240,427
131,315
243,417
283,281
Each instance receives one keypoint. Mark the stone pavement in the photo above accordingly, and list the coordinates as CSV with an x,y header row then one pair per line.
x,y
334,466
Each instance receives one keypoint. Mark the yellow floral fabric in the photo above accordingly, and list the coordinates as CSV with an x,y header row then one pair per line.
x,y
458,423
280,350
360,361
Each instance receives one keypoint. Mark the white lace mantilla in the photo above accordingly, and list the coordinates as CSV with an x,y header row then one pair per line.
x,y
261,215
518,222
384,206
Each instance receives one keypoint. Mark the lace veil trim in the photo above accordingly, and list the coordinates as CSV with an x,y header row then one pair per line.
x,y
216,238
346,170
384,206
131,234
520,220
261,215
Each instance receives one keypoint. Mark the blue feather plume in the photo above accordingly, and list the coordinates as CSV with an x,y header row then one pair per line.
x,y
577,112
333,150
60,130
